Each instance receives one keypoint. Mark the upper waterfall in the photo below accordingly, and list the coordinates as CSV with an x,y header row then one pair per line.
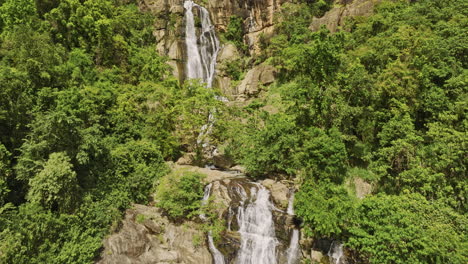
x,y
202,51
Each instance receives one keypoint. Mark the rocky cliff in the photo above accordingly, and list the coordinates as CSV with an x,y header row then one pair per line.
x,y
146,236
258,18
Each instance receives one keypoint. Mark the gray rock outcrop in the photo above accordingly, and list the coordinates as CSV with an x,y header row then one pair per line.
x,y
148,237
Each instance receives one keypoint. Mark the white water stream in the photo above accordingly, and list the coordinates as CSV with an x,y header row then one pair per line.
x,y
254,215
217,256
294,249
257,229
202,51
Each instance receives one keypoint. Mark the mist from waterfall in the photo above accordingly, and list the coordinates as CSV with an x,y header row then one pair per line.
x,y
202,51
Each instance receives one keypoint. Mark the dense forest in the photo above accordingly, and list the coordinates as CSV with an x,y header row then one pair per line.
x,y
90,114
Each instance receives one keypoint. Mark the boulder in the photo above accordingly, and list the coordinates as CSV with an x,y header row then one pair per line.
x,y
187,159
239,169
336,17
362,188
211,175
228,52
316,256
261,75
279,192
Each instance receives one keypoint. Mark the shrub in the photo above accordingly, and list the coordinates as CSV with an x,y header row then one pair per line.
x,y
179,194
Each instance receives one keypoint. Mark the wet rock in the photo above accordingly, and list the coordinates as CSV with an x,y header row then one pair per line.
x,y
229,245
239,168
221,160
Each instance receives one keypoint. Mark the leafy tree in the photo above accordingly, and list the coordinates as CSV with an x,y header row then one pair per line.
x,y
138,164
324,155
408,228
5,173
271,149
324,207
55,187
14,13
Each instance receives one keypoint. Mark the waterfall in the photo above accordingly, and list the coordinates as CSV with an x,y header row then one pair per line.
x,y
258,241
217,256
293,250
202,51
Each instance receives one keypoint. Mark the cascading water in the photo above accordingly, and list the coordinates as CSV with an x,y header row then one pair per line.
x,y
293,250
202,51
258,243
257,230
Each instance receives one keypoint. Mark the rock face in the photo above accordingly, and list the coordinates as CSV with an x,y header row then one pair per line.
x,y
258,17
343,9
257,77
279,192
148,237
169,31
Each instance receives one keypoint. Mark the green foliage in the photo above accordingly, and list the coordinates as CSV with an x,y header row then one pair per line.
x,y
17,12
324,155
213,224
384,101
179,194
55,186
5,173
271,148
137,165
325,208
235,33
88,115
408,229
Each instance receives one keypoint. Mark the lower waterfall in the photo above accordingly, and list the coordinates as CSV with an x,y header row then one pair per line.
x,y
257,230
